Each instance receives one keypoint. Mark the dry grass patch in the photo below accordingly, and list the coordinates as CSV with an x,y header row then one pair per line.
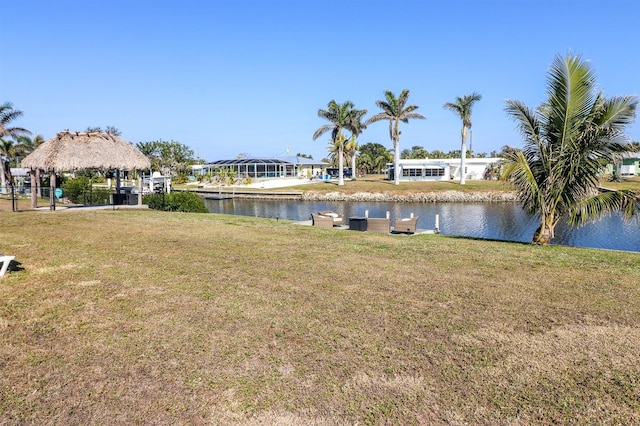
x,y
149,317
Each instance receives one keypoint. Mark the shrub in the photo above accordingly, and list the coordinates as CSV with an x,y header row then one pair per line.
x,y
176,202
79,190
74,188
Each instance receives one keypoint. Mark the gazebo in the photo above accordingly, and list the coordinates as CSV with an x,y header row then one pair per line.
x,y
70,151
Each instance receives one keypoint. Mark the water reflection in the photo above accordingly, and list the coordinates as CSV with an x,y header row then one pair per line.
x,y
496,221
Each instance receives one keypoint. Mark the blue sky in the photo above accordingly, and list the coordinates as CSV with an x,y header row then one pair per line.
x,y
228,77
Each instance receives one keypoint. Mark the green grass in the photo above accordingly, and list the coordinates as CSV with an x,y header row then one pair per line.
x,y
162,318
378,183
627,183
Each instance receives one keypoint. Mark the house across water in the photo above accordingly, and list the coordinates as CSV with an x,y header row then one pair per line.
x,y
260,168
444,169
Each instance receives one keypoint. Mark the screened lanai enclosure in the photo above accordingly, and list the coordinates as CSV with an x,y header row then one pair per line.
x,y
259,168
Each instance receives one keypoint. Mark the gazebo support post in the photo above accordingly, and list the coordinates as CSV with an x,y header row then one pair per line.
x,y
118,183
52,191
34,188
139,190
38,182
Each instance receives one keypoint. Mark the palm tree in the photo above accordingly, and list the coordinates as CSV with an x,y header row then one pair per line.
x,y
365,162
567,142
352,146
7,115
25,146
341,116
7,150
334,151
395,110
462,107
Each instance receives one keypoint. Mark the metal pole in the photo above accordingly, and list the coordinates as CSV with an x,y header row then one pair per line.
x,y
13,197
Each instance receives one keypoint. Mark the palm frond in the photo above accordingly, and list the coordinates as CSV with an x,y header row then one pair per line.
x,y
518,170
322,130
378,117
594,207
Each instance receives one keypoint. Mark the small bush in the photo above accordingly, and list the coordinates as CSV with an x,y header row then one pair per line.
x,y
79,190
74,188
176,202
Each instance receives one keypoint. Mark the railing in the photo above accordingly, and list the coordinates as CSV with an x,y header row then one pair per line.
x,y
19,197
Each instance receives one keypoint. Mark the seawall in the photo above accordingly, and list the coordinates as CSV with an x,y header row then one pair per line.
x,y
413,197
394,197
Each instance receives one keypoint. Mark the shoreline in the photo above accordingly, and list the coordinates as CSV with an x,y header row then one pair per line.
x,y
391,197
414,197
280,189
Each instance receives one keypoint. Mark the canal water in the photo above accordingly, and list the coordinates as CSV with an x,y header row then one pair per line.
x,y
494,221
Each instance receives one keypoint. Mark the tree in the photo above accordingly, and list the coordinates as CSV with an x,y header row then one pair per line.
x,y
334,151
352,146
395,110
7,115
341,116
7,151
567,142
365,163
26,146
416,152
462,107
379,156
170,158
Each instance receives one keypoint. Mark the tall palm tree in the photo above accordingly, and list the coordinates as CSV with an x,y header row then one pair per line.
x,y
7,149
395,110
7,115
341,117
567,141
462,107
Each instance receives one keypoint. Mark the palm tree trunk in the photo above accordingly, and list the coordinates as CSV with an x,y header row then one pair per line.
x,y
340,167
463,157
353,166
545,232
3,177
34,188
396,162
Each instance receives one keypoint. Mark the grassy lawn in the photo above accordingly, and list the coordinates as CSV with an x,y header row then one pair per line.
x,y
121,317
627,183
378,183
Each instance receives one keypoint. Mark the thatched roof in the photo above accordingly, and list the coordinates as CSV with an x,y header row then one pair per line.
x,y
69,151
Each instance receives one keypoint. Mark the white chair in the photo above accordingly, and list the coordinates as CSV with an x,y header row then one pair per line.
x,y
5,261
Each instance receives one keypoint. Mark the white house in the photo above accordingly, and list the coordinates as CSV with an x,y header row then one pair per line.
x,y
441,169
